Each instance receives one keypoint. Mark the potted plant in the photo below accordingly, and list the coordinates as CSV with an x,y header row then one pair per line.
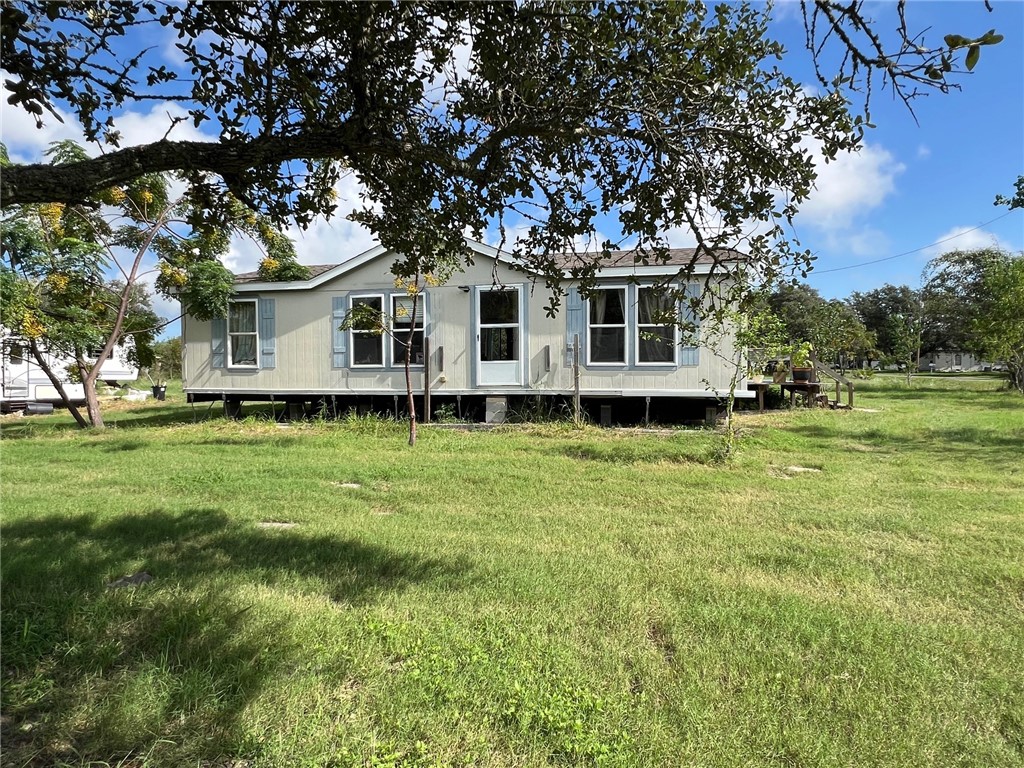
x,y
802,361
158,380
780,374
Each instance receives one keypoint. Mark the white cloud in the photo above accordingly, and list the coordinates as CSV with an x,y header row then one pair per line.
x,y
785,10
849,187
965,239
863,242
145,128
923,151
26,142
338,239
325,241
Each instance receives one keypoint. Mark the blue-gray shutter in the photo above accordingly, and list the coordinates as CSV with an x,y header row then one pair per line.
x,y
338,336
575,323
690,355
268,337
218,341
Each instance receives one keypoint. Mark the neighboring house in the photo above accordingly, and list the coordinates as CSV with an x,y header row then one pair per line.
x,y
952,361
23,381
484,333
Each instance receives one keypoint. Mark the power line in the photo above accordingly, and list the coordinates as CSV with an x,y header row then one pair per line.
x,y
907,253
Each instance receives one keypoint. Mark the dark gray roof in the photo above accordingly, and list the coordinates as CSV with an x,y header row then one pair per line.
x,y
315,270
677,257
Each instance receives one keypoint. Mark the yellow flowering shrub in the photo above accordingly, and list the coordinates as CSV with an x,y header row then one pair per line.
x,y
172,275
31,327
58,283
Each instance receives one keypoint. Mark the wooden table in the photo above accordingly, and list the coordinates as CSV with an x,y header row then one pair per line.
x,y
809,389
760,387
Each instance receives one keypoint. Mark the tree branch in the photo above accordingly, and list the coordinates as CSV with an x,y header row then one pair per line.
x,y
73,183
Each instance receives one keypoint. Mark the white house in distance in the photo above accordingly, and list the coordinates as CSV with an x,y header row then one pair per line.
x,y
952,361
482,335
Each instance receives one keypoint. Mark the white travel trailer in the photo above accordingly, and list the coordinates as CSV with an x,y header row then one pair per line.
x,y
23,382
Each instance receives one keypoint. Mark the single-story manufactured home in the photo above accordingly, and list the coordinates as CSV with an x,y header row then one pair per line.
x,y
483,334
952,361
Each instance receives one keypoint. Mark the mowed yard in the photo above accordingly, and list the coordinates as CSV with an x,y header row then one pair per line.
x,y
521,597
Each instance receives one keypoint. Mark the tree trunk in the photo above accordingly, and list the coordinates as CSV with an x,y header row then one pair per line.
x,y
92,398
57,384
1016,371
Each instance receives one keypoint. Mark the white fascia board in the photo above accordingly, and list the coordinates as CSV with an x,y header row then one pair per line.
x,y
364,258
302,285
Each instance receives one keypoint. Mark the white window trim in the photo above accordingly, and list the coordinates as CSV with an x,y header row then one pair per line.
x,y
421,307
230,349
638,327
624,325
352,334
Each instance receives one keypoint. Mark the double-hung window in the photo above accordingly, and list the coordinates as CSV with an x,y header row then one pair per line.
x,y
367,335
406,329
243,336
655,327
607,327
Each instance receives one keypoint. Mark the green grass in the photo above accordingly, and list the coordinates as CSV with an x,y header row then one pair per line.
x,y
521,597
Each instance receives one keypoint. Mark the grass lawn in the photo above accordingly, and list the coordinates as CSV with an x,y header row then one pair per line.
x,y
521,597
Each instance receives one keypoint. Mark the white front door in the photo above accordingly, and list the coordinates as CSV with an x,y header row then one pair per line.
x,y
499,338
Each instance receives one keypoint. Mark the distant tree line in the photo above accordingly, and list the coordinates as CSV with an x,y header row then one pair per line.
x,y
970,301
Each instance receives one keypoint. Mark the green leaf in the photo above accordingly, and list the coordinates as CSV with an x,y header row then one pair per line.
x,y
973,53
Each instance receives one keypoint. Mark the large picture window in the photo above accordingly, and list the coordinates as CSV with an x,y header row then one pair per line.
x,y
367,336
655,328
607,327
243,338
402,321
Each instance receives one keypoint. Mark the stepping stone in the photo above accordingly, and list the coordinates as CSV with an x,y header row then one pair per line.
x,y
131,581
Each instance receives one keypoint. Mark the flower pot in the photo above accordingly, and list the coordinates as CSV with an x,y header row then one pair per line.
x,y
802,374
160,392
779,377
755,378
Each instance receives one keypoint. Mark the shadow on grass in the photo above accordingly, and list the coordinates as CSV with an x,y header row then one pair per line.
x,y
995,397
165,669
632,452
951,445
143,416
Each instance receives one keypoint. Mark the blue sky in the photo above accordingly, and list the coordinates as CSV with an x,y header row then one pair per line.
x,y
913,183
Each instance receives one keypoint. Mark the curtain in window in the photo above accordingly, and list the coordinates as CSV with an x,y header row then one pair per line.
x,y
608,326
656,340
243,349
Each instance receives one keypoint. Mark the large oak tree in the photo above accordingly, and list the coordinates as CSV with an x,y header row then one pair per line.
x,y
459,118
